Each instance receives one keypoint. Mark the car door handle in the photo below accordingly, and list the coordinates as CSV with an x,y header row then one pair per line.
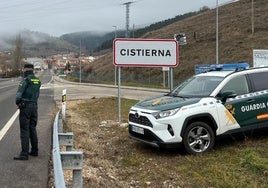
x,y
250,100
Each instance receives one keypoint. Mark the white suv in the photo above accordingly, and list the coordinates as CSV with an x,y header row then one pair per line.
x,y
203,107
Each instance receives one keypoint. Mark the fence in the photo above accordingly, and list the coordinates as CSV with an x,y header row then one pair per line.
x,y
68,159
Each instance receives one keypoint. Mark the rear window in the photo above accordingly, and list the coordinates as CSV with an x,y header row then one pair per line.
x,y
237,84
259,80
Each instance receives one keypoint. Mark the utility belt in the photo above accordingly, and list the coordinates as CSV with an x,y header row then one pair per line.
x,y
25,104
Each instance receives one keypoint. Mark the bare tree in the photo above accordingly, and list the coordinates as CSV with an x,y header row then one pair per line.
x,y
5,65
17,56
204,8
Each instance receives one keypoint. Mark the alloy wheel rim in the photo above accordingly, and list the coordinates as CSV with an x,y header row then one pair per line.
x,y
199,139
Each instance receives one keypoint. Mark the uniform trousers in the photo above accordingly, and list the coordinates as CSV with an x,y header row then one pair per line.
x,y
28,134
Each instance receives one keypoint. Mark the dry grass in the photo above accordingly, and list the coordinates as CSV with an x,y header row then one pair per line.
x,y
112,159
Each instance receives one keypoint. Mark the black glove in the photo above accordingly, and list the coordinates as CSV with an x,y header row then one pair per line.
x,y
21,105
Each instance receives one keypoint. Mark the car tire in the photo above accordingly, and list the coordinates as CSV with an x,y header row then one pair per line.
x,y
198,138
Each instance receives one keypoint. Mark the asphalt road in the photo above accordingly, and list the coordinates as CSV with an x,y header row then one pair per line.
x,y
7,93
34,172
88,91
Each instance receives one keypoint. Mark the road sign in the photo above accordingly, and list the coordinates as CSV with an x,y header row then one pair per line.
x,y
145,52
260,58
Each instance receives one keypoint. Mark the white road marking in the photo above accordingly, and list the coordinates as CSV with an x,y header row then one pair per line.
x,y
8,124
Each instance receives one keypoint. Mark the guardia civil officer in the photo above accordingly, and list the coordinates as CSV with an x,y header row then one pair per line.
x,y
26,99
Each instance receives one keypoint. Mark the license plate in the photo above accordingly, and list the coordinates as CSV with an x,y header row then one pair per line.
x,y
137,129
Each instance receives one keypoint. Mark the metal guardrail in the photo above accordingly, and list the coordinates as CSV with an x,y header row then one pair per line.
x,y
68,159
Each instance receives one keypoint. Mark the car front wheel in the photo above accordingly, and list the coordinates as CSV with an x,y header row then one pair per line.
x,y
198,138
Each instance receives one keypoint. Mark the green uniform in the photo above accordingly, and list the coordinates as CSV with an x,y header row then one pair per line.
x,y
28,90
27,99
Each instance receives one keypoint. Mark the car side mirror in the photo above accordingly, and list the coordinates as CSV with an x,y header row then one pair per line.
x,y
223,96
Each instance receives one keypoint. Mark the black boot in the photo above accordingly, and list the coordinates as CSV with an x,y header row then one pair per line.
x,y
20,157
34,153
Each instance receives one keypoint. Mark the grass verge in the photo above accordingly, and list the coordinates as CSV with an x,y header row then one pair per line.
x,y
112,159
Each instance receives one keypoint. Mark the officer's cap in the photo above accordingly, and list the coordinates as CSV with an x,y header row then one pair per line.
x,y
28,65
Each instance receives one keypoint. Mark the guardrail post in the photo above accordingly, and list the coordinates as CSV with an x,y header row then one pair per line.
x,y
60,126
66,139
73,160
77,178
66,159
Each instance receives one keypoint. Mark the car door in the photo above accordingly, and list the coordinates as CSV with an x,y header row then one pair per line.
x,y
258,82
239,106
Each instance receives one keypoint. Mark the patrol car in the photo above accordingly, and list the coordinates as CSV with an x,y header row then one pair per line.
x,y
201,108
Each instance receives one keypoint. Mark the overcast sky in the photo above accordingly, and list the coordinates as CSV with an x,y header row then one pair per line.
x,y
57,17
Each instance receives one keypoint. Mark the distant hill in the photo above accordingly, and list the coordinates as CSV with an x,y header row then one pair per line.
x,y
41,44
236,42
98,41
37,44
88,40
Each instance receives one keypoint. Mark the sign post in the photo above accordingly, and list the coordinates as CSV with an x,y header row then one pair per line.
x,y
129,52
164,69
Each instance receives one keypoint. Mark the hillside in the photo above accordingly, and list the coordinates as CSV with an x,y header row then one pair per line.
x,y
236,42
93,41
37,44
89,40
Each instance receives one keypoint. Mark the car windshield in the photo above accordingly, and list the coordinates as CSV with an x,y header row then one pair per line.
x,y
197,86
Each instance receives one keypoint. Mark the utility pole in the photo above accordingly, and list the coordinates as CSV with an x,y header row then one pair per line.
x,y
127,17
119,68
217,32
115,68
252,16
80,76
115,31
133,30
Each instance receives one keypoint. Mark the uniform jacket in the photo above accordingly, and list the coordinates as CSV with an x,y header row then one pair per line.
x,y
28,90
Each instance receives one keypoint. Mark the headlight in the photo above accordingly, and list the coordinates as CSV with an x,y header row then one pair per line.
x,y
166,113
